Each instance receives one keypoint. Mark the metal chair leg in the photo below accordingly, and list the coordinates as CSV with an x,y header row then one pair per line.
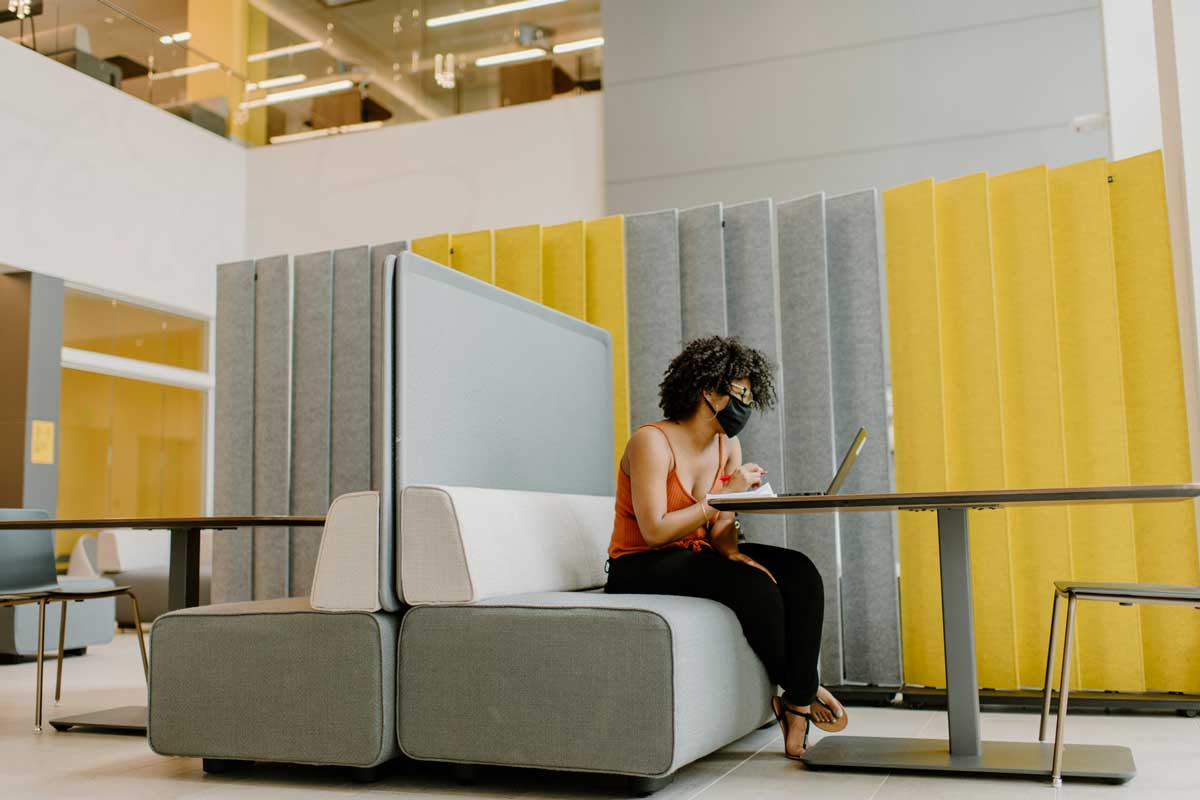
x,y
1063,689
41,654
137,626
1046,690
62,653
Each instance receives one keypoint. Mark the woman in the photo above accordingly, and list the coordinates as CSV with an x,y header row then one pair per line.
x,y
668,540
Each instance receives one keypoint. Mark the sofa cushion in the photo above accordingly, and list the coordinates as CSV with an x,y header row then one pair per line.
x,y
461,544
630,684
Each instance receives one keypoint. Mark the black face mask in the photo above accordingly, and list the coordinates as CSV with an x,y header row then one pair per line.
x,y
733,417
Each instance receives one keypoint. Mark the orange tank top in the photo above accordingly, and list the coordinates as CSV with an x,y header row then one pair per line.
x,y
627,536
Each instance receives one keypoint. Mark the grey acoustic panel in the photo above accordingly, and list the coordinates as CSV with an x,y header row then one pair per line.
x,y
653,302
702,272
809,460
233,437
870,602
312,329
752,287
350,394
272,421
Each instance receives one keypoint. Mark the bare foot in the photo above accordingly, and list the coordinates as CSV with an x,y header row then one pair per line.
x,y
822,714
795,729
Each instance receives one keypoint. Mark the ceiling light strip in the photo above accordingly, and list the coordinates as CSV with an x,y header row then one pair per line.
x,y
320,133
272,83
581,44
290,50
179,73
489,11
508,58
298,94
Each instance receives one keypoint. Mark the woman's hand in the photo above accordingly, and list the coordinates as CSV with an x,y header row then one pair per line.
x,y
745,477
747,560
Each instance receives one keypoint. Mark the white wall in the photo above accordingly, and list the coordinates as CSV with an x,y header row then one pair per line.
x,y
106,190
534,163
709,100
1131,75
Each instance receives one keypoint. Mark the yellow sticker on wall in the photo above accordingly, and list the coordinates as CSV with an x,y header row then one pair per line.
x,y
41,445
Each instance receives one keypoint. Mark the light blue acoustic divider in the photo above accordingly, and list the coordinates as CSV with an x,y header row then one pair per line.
x,y
272,423
752,290
870,600
312,329
233,476
653,307
702,272
809,459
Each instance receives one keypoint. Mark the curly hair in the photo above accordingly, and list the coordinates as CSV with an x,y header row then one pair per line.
x,y
710,365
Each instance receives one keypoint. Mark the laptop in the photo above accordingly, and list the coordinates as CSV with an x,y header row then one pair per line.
x,y
26,557
843,471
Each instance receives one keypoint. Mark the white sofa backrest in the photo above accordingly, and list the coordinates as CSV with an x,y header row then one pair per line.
x,y
123,549
461,544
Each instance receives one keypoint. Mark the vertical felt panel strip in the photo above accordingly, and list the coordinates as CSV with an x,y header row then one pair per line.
x,y
471,253
971,392
1034,449
233,470
653,305
519,261
381,445
1156,412
563,283
917,418
870,604
1102,542
435,248
272,422
350,395
312,320
702,272
808,394
752,292
604,245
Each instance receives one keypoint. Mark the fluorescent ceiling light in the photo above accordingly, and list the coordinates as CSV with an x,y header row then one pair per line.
x,y
168,38
290,50
271,83
581,44
179,73
489,11
508,58
320,133
298,94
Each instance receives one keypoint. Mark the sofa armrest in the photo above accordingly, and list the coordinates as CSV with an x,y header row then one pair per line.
x,y
123,549
347,572
83,558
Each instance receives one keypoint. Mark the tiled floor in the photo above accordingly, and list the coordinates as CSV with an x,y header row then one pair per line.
x,y
81,765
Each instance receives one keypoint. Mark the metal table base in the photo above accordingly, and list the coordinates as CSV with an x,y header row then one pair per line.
x,y
126,719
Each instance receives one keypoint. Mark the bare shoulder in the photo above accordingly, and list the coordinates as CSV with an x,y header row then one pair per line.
x,y
648,445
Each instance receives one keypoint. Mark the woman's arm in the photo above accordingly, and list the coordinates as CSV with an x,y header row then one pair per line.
x,y
723,535
649,458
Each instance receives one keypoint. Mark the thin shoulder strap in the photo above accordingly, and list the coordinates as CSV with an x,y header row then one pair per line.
x,y
674,458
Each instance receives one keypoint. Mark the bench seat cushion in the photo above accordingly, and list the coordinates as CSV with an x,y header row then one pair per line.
x,y
629,684
274,680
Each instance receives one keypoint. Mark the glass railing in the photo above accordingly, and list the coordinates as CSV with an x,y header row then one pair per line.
x,y
274,71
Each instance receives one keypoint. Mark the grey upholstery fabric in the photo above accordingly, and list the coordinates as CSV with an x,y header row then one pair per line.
x,y
702,272
629,684
653,307
233,478
870,597
274,681
150,585
89,622
350,393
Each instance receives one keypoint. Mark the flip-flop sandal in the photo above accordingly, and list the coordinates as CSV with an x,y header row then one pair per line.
x,y
839,722
780,709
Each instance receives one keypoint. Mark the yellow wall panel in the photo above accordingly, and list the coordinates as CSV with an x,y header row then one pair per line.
x,y
605,293
563,283
1156,413
912,286
471,253
1102,540
519,261
971,393
1031,399
435,248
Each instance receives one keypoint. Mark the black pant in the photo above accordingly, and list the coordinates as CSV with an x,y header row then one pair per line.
x,y
781,622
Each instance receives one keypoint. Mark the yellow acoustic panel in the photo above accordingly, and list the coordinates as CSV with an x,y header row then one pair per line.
x,y
912,287
563,284
1034,449
519,261
1102,541
435,248
1156,413
605,258
971,393
471,253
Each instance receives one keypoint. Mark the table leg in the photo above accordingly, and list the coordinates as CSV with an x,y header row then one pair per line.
x,y
183,582
958,626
